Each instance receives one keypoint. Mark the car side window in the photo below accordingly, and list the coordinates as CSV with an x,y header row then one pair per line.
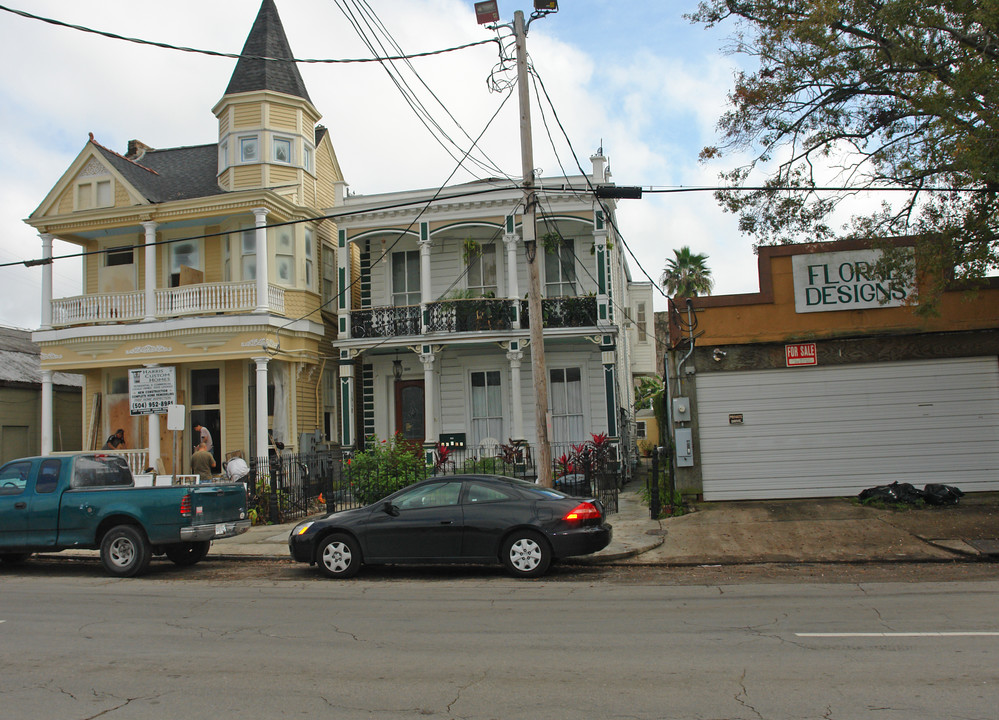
x,y
478,493
48,476
433,495
14,478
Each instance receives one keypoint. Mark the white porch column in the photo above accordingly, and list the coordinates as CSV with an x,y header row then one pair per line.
x,y
426,292
515,356
46,429
604,311
430,429
512,286
46,281
261,429
150,293
263,302
153,420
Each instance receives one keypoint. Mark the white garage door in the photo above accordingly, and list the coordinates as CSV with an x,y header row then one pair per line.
x,y
815,432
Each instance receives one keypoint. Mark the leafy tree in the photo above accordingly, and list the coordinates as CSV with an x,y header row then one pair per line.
x,y
884,93
686,274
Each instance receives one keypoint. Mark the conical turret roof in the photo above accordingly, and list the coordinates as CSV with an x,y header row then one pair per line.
x,y
267,39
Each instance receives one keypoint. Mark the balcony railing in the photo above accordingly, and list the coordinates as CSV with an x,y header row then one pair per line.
x,y
385,322
201,299
564,312
469,315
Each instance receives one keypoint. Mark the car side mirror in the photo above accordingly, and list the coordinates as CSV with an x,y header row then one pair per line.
x,y
390,509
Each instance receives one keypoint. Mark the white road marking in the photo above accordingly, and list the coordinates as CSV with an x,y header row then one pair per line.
x,y
898,634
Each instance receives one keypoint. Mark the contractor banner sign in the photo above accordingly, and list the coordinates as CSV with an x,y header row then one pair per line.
x,y
151,390
843,281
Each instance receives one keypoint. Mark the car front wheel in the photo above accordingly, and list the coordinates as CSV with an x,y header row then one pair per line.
x,y
527,554
339,557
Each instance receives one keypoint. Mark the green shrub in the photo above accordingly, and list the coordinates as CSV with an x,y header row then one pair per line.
x,y
384,467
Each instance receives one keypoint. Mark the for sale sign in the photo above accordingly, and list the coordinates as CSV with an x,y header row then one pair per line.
x,y
801,354
151,390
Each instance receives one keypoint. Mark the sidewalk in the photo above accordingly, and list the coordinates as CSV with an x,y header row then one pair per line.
x,y
813,530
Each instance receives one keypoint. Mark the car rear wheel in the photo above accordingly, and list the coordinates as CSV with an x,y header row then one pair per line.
x,y
526,554
125,551
188,553
339,557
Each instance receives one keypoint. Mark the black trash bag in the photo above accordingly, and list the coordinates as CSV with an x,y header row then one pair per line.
x,y
894,493
938,494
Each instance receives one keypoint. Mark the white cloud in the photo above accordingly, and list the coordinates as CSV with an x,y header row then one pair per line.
x,y
652,106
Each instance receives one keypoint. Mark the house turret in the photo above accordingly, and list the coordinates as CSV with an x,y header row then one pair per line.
x,y
267,122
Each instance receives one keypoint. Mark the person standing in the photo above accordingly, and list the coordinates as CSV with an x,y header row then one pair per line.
x,y
203,463
206,437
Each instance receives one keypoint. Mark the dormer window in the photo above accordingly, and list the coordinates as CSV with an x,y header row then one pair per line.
x,y
249,149
282,150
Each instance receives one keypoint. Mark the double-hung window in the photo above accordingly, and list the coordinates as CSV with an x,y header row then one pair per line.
x,y
248,254
487,406
560,270
406,278
565,390
284,256
249,149
482,272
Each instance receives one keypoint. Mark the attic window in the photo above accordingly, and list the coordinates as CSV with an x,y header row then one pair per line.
x,y
94,194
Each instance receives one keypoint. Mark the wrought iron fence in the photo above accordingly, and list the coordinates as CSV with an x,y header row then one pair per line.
x,y
287,487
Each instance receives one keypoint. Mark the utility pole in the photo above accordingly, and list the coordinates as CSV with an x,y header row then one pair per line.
x,y
529,226
487,12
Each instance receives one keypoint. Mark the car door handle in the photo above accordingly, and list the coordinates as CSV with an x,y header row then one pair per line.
x,y
447,522
20,505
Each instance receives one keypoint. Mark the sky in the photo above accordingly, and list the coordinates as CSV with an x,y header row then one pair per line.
x,y
635,78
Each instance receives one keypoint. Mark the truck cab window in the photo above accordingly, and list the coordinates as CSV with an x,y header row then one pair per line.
x,y
14,478
48,476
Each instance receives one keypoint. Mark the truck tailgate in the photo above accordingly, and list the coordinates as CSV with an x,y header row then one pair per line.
x,y
222,503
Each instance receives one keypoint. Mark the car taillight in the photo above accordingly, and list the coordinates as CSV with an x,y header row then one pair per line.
x,y
185,506
583,511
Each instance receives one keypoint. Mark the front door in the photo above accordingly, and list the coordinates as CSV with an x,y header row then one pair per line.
x,y
409,410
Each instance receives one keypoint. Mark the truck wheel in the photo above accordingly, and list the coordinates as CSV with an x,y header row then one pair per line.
x,y
13,558
125,551
188,553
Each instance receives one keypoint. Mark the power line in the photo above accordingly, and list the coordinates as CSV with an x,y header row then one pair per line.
x,y
236,56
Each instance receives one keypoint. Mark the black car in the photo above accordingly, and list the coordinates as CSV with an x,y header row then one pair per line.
x,y
456,519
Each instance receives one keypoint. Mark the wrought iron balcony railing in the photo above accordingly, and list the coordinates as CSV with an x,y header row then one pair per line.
x,y
385,322
469,315
564,312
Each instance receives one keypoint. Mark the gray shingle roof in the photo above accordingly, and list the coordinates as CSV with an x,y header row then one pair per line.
x,y
267,39
171,174
21,363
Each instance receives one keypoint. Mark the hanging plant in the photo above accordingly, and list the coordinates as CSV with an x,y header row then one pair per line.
x,y
551,242
470,250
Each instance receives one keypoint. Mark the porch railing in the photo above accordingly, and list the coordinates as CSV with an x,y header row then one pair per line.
x,y
201,299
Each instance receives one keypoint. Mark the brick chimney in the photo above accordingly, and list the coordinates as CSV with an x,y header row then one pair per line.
x,y
136,149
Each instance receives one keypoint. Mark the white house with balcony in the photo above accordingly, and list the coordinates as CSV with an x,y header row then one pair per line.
x,y
205,258
433,330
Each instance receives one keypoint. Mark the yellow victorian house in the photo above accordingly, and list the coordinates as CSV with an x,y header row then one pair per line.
x,y
212,260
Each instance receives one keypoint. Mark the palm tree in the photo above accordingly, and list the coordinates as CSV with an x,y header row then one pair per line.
x,y
686,275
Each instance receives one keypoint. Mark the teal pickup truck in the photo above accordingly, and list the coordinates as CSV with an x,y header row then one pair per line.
x,y
90,501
